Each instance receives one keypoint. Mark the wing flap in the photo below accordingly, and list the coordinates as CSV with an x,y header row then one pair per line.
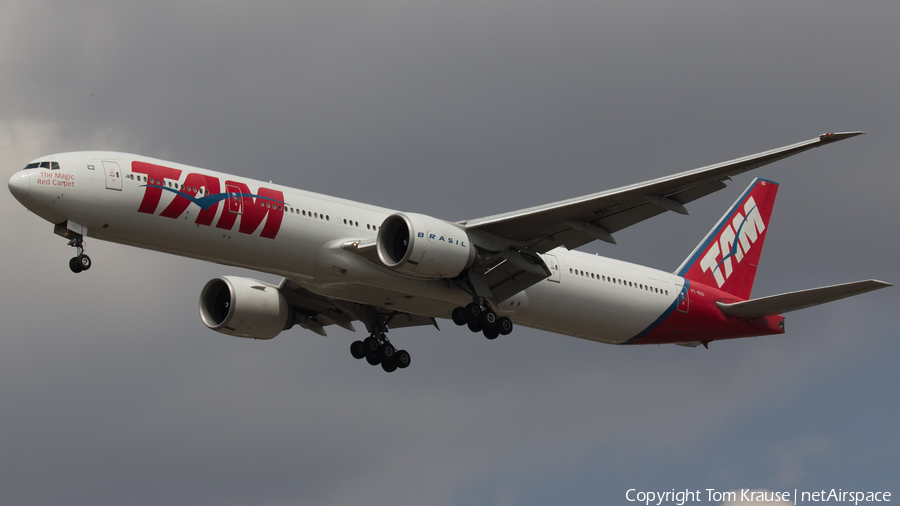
x,y
785,302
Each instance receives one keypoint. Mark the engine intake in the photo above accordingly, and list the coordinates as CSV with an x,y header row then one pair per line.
x,y
244,307
424,246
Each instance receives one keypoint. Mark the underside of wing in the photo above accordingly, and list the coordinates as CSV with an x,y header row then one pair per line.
x,y
315,312
574,222
783,303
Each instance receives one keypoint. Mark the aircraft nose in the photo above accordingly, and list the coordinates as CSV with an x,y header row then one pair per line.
x,y
19,184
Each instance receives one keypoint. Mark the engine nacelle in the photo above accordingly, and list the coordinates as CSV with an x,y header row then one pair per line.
x,y
244,307
424,246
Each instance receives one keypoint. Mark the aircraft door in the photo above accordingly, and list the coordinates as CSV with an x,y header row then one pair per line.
x,y
113,176
235,201
684,301
553,265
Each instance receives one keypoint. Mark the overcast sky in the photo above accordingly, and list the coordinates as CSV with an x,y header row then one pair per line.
x,y
113,392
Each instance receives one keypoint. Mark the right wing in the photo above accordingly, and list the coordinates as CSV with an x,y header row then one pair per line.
x,y
511,241
578,221
785,302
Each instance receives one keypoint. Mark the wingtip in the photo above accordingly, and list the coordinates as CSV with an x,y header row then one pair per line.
x,y
839,136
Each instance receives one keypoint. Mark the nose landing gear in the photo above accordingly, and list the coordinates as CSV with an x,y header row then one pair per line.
x,y
479,317
75,234
80,262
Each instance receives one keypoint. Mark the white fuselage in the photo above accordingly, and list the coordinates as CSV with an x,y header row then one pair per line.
x,y
587,296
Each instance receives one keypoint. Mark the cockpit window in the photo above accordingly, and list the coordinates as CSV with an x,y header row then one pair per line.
x,y
43,165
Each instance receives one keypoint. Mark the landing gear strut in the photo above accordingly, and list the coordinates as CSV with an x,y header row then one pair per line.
x,y
479,317
80,262
376,348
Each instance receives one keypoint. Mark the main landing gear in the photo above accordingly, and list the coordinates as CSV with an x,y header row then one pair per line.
x,y
81,262
376,348
479,317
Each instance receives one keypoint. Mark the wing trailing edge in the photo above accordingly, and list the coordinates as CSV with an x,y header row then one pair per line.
x,y
792,301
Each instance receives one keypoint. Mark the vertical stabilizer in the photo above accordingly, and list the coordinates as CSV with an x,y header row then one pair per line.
x,y
728,256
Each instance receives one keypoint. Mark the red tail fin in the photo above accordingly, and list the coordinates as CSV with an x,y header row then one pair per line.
x,y
728,256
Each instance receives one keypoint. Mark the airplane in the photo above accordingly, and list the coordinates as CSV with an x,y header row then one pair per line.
x,y
343,261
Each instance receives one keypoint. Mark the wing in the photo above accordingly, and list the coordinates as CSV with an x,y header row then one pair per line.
x,y
315,312
574,222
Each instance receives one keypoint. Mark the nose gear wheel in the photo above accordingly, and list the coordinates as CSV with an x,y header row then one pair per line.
x,y
80,262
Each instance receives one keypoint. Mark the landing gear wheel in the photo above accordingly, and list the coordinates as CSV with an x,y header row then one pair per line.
x,y
402,359
473,313
488,319
504,325
84,261
388,367
459,316
491,333
74,265
386,352
373,360
370,345
358,350
474,327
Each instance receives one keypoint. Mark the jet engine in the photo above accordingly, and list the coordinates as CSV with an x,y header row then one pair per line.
x,y
244,307
424,246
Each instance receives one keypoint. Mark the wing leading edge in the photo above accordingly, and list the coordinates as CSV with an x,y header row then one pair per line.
x,y
578,221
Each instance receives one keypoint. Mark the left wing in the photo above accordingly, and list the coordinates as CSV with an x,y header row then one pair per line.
x,y
315,312
574,222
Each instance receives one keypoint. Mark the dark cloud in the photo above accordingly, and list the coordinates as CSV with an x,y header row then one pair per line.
x,y
114,392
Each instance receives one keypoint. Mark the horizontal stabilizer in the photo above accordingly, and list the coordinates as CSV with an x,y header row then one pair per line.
x,y
785,302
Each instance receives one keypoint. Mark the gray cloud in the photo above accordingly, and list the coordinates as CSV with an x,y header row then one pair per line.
x,y
114,392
